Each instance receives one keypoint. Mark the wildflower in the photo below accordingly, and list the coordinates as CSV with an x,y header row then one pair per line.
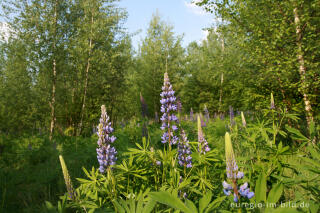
x,y
272,106
67,178
191,114
168,106
203,146
244,123
184,151
222,116
232,122
206,113
233,174
144,107
106,154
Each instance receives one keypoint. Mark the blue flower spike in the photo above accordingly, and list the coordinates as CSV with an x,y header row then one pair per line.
x,y
168,107
106,154
233,175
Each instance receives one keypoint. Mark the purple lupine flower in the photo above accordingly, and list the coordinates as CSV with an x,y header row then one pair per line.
x,y
184,151
232,122
106,154
222,116
168,106
144,107
203,146
191,115
233,174
206,113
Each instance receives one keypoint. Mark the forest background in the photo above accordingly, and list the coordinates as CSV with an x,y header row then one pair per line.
x,y
64,59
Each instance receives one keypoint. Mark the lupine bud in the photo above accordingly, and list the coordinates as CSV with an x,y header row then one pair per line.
x,y
67,178
272,106
168,107
203,146
244,123
106,154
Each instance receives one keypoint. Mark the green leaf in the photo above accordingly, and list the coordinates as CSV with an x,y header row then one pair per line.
x,y
132,205
261,188
191,206
297,135
204,201
118,207
275,193
149,206
168,199
285,209
215,203
49,206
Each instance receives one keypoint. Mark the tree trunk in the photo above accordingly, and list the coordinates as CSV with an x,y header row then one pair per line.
x,y
87,77
302,68
54,76
221,89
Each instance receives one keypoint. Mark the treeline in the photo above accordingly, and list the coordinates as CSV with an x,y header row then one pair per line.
x,y
66,58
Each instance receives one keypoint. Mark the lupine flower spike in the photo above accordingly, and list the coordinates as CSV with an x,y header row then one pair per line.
x,y
244,123
232,122
67,178
272,106
233,174
106,154
184,151
206,113
168,107
144,107
191,114
203,146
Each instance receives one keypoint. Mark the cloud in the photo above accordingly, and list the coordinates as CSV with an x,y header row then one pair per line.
x,y
193,8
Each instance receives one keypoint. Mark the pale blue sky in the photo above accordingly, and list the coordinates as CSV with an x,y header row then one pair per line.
x,y
185,17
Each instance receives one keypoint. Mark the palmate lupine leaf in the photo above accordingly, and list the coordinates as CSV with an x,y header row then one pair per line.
x,y
170,200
